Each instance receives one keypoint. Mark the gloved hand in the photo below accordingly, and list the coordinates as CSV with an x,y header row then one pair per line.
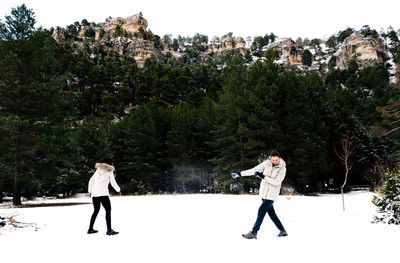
x,y
235,175
259,175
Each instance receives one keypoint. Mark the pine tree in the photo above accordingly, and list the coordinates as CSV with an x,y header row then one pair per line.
x,y
180,140
229,116
137,150
126,93
33,109
187,149
20,25
388,204
306,58
303,130
264,98
93,139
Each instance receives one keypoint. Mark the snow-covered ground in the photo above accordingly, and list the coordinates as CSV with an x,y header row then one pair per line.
x,y
202,228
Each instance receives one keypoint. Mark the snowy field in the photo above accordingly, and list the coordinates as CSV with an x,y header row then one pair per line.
x,y
202,228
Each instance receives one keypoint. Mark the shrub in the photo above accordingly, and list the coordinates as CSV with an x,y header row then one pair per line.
x,y
307,58
90,32
389,203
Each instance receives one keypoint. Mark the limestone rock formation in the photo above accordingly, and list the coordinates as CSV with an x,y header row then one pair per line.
x,y
59,34
365,51
240,43
130,24
227,42
82,30
287,49
139,49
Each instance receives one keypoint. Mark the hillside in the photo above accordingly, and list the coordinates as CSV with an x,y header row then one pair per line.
x,y
131,37
194,112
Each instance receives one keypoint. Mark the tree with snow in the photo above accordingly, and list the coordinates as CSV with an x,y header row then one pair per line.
x,y
389,203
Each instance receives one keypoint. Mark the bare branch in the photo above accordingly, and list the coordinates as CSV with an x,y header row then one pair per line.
x,y
396,121
392,130
346,151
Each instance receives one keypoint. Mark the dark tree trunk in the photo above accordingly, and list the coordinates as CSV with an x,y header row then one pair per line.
x,y
1,189
17,191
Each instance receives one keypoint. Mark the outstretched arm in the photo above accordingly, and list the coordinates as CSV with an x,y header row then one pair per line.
x,y
252,172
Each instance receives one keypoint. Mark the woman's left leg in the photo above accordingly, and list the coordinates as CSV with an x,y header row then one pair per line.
x,y
105,201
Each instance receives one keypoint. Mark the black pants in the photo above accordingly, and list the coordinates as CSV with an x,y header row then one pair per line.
x,y
267,206
105,201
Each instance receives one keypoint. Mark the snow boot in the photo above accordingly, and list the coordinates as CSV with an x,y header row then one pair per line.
x,y
111,232
92,231
282,233
250,235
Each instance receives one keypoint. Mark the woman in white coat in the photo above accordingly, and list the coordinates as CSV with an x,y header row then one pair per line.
x,y
272,172
98,189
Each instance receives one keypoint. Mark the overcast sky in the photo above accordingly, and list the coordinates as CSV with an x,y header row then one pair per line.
x,y
285,18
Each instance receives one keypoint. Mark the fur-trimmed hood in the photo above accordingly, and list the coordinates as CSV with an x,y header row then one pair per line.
x,y
105,166
98,183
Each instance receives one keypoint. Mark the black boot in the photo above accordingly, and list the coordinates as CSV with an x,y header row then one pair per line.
x,y
111,232
92,231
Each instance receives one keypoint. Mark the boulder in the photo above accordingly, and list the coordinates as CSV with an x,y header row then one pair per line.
x,y
240,43
130,24
82,30
287,48
227,42
59,34
365,51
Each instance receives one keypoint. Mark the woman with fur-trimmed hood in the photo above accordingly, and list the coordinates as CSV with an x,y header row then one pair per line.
x,y
98,189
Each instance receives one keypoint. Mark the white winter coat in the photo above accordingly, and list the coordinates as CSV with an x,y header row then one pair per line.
x,y
270,186
98,183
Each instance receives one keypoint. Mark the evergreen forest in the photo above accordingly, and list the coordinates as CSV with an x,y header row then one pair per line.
x,y
183,125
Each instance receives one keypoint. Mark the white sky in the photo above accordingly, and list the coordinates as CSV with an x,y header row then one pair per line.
x,y
285,18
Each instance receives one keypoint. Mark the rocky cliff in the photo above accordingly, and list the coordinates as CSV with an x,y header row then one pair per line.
x,y
288,52
59,34
365,51
137,48
106,36
227,42
130,24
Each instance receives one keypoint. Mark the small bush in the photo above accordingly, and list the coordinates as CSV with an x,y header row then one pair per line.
x,y
389,203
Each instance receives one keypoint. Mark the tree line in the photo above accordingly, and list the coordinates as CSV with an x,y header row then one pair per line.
x,y
180,125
